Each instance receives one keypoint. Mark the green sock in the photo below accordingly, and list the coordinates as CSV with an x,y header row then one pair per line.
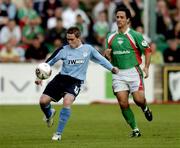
x,y
129,117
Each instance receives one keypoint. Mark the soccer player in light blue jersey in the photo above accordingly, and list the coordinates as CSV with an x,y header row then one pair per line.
x,y
67,83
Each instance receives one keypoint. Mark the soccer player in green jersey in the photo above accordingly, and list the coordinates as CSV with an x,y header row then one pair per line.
x,y
124,49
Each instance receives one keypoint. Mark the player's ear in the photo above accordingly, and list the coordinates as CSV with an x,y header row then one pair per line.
x,y
128,20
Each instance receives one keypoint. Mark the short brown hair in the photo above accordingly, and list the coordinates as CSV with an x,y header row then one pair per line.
x,y
75,31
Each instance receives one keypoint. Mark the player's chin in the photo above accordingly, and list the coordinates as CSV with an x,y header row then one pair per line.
x,y
71,46
119,25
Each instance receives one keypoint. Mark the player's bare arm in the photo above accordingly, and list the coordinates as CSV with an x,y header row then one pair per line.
x,y
107,54
147,63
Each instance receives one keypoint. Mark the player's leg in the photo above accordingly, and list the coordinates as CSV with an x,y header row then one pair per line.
x,y
64,115
128,115
52,92
121,90
139,99
137,89
65,112
45,105
70,88
46,108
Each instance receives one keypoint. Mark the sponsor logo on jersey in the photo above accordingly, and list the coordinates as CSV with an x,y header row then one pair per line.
x,y
121,52
144,43
77,61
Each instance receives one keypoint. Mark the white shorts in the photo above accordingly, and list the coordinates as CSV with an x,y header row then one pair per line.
x,y
128,79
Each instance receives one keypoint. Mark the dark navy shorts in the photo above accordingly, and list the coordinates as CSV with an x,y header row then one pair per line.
x,y
62,84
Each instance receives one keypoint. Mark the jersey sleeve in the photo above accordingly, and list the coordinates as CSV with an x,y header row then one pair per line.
x,y
98,58
56,56
109,39
142,44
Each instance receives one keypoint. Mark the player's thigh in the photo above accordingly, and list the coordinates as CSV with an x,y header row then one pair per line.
x,y
55,88
71,92
122,97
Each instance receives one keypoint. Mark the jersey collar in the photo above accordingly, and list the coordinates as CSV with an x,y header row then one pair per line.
x,y
125,31
79,46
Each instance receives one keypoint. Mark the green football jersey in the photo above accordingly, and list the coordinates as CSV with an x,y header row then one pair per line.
x,y
127,48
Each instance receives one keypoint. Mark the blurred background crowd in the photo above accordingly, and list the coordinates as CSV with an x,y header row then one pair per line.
x,y
30,30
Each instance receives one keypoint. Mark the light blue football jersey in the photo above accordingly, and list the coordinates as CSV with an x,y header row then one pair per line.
x,y
76,60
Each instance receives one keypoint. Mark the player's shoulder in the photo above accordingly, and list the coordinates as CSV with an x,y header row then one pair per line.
x,y
65,47
111,34
86,45
60,49
134,32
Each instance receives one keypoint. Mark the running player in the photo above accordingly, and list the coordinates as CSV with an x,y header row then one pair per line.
x,y
124,49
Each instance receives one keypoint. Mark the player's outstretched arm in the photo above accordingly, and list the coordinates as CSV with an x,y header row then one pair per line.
x,y
98,58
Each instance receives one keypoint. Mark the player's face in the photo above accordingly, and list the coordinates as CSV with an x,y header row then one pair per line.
x,y
121,19
73,40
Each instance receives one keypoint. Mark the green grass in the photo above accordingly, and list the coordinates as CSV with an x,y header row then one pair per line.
x,y
91,126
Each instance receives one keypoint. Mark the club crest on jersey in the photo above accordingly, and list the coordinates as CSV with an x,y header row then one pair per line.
x,y
77,61
85,53
144,43
120,41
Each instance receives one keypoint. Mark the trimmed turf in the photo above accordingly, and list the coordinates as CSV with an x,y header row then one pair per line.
x,y
90,126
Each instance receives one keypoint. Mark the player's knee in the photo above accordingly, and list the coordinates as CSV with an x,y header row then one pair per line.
x,y
67,103
43,101
68,100
123,104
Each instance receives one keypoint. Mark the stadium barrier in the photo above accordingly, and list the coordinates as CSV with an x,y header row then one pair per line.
x,y
171,83
17,85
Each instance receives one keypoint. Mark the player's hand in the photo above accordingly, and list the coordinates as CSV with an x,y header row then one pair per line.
x,y
38,81
146,72
107,54
115,70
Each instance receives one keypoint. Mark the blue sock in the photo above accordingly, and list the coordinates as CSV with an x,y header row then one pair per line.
x,y
47,110
63,118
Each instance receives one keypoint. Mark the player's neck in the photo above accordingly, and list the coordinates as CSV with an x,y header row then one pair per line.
x,y
79,44
123,29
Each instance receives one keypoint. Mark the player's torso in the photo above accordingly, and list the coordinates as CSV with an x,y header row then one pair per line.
x,y
76,60
123,54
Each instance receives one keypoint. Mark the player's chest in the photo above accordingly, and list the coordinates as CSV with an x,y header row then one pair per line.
x,y
121,42
77,57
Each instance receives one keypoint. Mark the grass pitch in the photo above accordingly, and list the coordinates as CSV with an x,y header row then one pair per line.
x,y
90,126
